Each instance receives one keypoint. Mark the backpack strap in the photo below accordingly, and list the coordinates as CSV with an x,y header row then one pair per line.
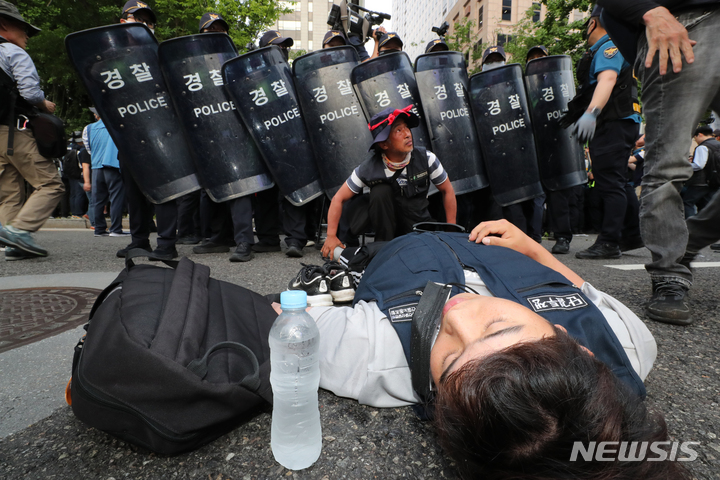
x,y
251,381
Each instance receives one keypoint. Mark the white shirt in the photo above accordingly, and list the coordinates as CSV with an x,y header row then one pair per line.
x,y
361,356
700,158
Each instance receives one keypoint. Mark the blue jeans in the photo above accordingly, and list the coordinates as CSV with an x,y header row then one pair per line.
x,y
108,186
674,104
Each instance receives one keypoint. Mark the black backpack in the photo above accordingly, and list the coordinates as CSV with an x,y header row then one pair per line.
x,y
71,164
172,358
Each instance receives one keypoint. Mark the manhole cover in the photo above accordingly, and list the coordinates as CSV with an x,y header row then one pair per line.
x,y
31,314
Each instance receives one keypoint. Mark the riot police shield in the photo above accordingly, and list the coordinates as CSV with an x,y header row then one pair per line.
x,y
227,160
502,120
550,85
261,84
442,83
332,113
118,65
388,81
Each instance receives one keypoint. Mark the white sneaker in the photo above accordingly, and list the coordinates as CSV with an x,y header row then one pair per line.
x,y
121,234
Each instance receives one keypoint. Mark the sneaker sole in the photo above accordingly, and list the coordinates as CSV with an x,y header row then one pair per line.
x,y
671,321
211,250
294,253
266,248
343,296
241,258
324,300
601,257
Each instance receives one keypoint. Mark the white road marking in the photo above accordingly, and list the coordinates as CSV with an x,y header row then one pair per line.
x,y
642,266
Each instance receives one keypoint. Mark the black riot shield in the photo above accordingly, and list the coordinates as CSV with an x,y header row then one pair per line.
x,y
550,85
261,84
332,113
502,120
228,162
388,81
118,65
442,82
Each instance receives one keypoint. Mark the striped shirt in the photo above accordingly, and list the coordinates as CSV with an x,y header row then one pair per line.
x,y
435,169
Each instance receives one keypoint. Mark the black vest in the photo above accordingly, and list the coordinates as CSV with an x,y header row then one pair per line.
x,y
397,275
372,172
711,171
411,198
623,100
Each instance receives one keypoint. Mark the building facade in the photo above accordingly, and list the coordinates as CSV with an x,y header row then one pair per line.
x,y
307,24
413,21
494,20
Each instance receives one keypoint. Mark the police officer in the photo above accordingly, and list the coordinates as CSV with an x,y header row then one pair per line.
x,y
273,37
558,201
493,57
140,208
386,42
538,51
398,175
611,124
190,222
212,22
437,45
334,38
270,203
20,161
524,214
229,223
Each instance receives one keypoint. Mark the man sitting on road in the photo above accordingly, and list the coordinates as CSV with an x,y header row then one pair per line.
x,y
398,175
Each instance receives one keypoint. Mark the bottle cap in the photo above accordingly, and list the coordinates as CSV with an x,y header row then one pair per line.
x,y
293,299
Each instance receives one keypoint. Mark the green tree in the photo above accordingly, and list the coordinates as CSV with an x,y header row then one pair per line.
x,y
466,40
556,31
59,18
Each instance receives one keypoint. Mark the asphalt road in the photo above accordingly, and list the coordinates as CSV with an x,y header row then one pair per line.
x,y
359,441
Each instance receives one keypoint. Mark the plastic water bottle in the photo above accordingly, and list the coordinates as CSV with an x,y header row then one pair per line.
x,y
295,437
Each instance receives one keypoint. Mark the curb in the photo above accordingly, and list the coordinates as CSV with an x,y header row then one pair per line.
x,y
77,223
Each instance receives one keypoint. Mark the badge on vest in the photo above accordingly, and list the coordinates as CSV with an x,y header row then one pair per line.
x,y
402,313
545,303
610,52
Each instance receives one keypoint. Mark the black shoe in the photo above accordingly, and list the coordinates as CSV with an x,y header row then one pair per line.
x,y
161,253
262,247
562,245
189,240
669,303
123,251
341,284
210,247
631,244
313,280
294,251
12,253
600,251
715,246
243,253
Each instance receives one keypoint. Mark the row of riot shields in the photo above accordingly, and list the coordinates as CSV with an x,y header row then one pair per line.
x,y
190,112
